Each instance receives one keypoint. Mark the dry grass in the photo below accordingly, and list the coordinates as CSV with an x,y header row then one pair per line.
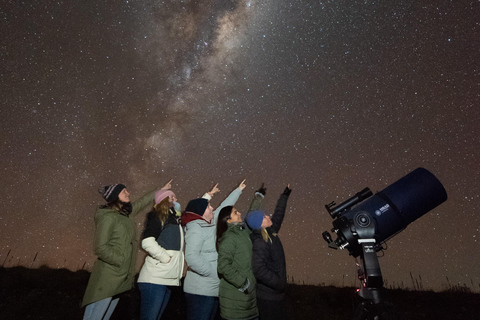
x,y
56,294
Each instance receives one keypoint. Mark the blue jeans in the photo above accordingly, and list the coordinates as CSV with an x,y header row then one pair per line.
x,y
154,299
100,310
201,307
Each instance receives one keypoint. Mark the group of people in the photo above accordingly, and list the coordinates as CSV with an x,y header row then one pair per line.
x,y
232,264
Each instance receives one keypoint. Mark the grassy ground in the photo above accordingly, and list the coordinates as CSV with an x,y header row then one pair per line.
x,y
56,294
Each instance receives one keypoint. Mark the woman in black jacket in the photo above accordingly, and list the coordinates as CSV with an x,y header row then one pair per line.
x,y
268,260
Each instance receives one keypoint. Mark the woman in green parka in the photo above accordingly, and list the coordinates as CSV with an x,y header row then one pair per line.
x,y
237,282
115,247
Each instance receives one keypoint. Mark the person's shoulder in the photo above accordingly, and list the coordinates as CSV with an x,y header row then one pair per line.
x,y
256,237
103,208
231,231
271,230
194,225
236,231
151,215
171,223
255,234
105,213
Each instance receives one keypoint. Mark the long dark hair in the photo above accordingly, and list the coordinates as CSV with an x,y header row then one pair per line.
x,y
121,207
222,224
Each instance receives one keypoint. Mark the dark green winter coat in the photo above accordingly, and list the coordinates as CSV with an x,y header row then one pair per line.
x,y
116,249
234,268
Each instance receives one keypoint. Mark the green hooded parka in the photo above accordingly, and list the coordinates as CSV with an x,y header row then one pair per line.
x,y
234,268
116,249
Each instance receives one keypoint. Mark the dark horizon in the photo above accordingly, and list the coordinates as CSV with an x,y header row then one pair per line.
x,y
27,293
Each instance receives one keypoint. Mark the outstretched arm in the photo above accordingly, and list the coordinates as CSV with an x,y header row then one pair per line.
x,y
258,199
209,195
167,185
280,208
147,200
231,199
143,203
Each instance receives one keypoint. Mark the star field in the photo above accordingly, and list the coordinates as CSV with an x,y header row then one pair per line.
x,y
329,96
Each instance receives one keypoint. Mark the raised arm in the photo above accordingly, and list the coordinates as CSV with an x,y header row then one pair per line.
x,y
167,185
209,195
258,199
147,200
144,202
280,208
231,199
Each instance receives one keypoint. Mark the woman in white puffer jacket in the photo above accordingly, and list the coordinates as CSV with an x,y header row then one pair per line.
x,y
163,240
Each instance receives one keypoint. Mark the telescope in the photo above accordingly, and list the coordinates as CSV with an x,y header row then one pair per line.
x,y
365,221
388,211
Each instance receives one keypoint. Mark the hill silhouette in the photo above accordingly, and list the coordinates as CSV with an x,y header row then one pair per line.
x,y
57,293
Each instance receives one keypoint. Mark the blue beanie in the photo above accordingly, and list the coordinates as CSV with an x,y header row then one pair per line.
x,y
254,219
197,206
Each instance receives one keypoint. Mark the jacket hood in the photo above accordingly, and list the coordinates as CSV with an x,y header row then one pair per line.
x,y
101,210
188,216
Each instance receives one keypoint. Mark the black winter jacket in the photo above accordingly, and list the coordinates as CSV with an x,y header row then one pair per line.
x,y
268,260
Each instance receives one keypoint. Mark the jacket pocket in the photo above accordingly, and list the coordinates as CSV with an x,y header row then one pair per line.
x,y
170,270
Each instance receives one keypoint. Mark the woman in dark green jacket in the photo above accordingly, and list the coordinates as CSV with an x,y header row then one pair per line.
x,y
237,282
116,248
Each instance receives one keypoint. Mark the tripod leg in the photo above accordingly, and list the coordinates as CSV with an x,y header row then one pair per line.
x,y
363,311
367,310
386,311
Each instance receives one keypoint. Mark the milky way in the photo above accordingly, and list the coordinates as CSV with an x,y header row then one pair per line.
x,y
329,96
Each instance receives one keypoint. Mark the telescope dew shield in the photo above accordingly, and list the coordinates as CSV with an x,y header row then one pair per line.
x,y
416,194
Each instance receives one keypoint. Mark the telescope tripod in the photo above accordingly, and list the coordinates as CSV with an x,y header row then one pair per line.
x,y
368,310
372,305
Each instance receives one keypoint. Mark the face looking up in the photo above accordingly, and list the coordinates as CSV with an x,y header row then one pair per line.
x,y
172,198
124,196
267,221
208,214
235,216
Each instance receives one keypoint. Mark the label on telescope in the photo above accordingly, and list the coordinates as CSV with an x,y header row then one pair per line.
x,y
382,209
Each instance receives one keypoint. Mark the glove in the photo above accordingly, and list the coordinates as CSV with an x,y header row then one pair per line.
x,y
287,191
262,189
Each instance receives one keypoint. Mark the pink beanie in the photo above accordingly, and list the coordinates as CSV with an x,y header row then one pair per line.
x,y
162,194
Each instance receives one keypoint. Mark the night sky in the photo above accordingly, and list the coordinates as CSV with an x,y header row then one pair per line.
x,y
329,96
